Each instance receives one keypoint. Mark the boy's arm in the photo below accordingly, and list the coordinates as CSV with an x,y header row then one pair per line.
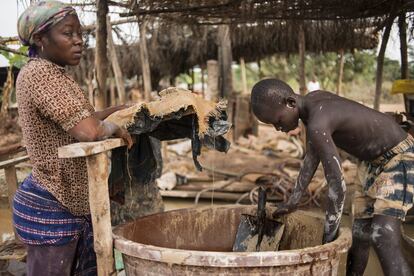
x,y
310,164
328,154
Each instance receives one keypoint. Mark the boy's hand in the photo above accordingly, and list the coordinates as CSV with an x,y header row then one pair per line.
x,y
283,208
124,134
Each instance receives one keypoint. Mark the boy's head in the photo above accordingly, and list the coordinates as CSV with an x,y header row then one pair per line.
x,y
274,102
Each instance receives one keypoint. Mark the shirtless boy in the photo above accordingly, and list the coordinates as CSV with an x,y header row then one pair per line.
x,y
375,139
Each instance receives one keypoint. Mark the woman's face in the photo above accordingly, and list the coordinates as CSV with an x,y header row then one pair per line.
x,y
63,43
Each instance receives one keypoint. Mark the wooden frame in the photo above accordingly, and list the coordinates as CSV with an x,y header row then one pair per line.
x,y
9,167
97,160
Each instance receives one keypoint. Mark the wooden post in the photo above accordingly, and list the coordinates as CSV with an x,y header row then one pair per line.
x,y
402,26
11,180
116,68
225,61
191,87
259,64
145,65
302,78
212,80
101,59
243,75
340,71
202,81
112,97
380,62
98,174
97,162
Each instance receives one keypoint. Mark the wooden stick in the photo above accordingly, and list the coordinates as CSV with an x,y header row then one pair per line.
x,y
14,161
100,212
119,80
145,65
7,49
340,71
301,41
380,62
243,75
101,60
11,180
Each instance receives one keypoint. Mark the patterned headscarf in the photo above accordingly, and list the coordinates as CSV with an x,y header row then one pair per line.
x,y
40,17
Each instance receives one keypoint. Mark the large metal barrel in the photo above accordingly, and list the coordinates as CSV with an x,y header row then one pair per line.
x,y
199,242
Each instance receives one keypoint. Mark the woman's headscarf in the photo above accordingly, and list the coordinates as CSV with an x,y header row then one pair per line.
x,y
38,18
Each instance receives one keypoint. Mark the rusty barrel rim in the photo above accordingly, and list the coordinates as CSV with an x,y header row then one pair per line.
x,y
232,259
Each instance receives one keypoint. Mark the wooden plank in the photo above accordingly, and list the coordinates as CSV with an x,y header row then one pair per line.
x,y
14,161
100,212
83,149
11,180
193,194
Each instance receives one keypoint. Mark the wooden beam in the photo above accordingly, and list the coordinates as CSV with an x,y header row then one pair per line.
x,y
11,149
83,149
380,63
98,174
116,68
145,64
13,162
101,59
340,71
301,47
225,61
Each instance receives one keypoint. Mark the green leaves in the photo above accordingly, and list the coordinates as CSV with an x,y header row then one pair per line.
x,y
16,60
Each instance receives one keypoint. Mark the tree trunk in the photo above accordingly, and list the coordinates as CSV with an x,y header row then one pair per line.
x,y
119,80
301,47
243,75
380,62
340,71
212,93
145,65
101,59
225,61
402,26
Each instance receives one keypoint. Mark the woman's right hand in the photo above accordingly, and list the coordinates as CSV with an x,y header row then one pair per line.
x,y
124,134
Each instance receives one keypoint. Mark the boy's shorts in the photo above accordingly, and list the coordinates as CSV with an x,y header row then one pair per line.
x,y
387,183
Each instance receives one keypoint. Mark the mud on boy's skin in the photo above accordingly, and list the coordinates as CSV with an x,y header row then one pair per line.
x,y
332,121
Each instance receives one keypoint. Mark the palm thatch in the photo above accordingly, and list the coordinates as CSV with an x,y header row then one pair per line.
x,y
177,48
248,11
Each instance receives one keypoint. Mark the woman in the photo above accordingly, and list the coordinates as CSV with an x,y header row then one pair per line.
x,y
51,208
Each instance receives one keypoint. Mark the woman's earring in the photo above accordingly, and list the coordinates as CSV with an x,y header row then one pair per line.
x,y
42,48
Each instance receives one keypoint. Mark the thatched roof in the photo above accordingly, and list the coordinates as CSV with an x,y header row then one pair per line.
x,y
176,48
242,11
183,33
